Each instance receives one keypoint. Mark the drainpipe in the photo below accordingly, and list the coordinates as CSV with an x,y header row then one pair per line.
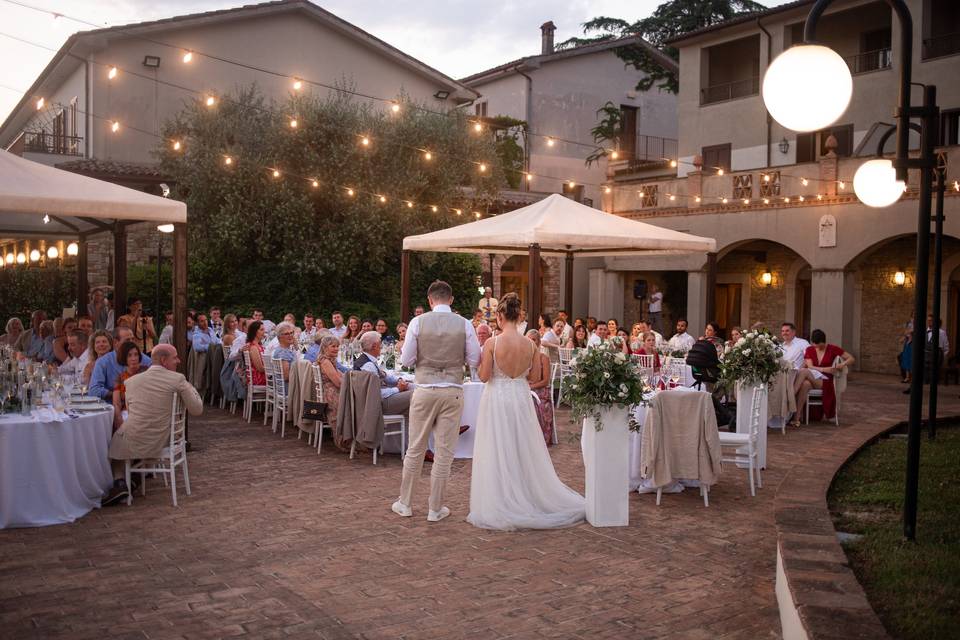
x,y
528,107
769,53
88,106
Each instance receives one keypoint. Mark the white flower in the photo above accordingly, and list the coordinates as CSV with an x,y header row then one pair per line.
x,y
621,357
751,334
606,374
740,342
622,394
623,387
746,352
573,362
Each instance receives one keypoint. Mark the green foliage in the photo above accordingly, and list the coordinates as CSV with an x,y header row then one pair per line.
x,y
753,360
602,376
607,132
284,246
24,290
507,133
670,19
914,587
142,282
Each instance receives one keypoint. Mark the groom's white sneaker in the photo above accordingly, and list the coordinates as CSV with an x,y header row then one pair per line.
x,y
402,510
437,516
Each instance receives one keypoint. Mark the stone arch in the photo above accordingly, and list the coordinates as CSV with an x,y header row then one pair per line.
x,y
733,246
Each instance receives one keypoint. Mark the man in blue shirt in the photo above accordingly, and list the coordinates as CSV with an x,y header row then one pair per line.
x,y
107,369
203,335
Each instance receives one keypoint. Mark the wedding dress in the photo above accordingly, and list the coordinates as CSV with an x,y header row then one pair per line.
x,y
513,483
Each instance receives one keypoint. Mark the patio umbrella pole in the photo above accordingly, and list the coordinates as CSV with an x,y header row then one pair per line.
x,y
405,286
533,293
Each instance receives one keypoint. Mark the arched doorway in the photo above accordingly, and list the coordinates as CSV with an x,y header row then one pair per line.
x,y
515,276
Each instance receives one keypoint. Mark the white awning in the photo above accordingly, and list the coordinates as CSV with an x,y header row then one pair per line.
x,y
560,226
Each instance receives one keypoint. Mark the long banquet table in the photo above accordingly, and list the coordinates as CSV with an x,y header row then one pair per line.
x,y
53,472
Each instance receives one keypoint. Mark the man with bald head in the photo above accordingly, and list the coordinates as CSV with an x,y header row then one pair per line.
x,y
146,430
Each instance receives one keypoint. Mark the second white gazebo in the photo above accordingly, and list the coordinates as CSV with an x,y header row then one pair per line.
x,y
554,226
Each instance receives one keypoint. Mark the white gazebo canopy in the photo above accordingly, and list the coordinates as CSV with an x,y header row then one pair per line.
x,y
560,226
554,226
30,190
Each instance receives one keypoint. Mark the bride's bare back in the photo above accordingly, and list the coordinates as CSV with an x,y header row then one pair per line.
x,y
514,353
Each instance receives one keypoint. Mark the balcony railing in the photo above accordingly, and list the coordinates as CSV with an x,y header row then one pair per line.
x,y
44,142
730,90
869,61
649,149
944,45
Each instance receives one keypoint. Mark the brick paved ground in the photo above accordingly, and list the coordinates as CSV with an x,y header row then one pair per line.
x,y
276,542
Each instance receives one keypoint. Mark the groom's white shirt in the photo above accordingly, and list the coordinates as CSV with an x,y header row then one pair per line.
x,y
408,356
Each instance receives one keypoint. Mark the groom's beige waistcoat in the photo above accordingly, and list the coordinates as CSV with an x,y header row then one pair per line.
x,y
441,341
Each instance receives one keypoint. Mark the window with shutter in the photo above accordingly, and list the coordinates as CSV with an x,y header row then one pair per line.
x,y
806,147
716,157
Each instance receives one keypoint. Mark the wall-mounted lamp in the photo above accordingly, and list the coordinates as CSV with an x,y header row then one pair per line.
x,y
153,62
73,249
784,145
899,278
766,278
441,94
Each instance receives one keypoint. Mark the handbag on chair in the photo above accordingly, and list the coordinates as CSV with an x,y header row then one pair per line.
x,y
313,410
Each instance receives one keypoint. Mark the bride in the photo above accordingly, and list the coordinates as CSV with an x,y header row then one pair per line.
x,y
514,484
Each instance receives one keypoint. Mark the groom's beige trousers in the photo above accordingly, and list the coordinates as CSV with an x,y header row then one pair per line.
x,y
433,410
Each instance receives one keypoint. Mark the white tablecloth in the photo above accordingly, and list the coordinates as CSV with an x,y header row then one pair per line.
x,y
637,482
472,392
53,472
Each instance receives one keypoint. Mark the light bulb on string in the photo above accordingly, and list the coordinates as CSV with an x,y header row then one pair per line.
x,y
409,204
427,155
73,249
819,196
725,201
787,200
842,185
614,155
276,173
571,184
365,141
529,177
746,201
395,107
673,164
550,142
477,215
350,192
112,73
801,199
433,208
177,145
458,211
188,57
210,101
40,102
673,198
383,199
482,167
21,258
293,123
478,127
607,189
766,201
720,171
115,126
297,84
315,183
53,253
697,199
804,181
228,160
766,177
34,255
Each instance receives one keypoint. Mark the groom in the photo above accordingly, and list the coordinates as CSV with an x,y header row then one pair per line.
x,y
438,343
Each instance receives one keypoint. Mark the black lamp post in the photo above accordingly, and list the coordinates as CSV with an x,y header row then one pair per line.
x,y
793,95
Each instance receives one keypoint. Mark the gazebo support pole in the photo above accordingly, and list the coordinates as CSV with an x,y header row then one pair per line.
x,y
405,286
83,279
533,295
119,269
568,285
490,278
711,289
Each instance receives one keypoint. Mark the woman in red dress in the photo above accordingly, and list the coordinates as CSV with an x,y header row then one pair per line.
x,y
650,348
254,345
819,371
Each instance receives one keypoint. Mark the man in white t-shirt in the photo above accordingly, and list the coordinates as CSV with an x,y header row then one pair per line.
x,y
567,329
792,346
599,336
655,307
338,328
681,340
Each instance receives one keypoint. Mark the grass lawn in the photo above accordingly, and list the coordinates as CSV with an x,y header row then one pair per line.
x,y
913,587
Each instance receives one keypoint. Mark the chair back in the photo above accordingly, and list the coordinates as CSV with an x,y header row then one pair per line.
x,y
279,384
645,361
268,374
317,382
247,375
756,409
565,355
178,424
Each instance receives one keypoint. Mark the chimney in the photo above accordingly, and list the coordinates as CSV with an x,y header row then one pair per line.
x,y
546,37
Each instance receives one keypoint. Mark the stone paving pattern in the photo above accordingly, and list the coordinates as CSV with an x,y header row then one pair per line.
x,y
276,542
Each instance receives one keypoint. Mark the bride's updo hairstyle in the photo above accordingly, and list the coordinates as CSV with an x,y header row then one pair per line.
x,y
509,307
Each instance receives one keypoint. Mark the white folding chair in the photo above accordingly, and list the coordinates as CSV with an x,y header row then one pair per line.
x,y
255,392
318,394
737,442
399,419
271,391
281,396
223,395
643,360
815,398
171,457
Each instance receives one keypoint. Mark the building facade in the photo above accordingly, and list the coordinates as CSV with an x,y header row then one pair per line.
x,y
793,241
82,98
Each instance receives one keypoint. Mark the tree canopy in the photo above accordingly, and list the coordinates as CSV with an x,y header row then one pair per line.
x,y
283,244
670,19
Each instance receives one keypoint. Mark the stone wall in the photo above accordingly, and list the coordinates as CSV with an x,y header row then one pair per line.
x,y
141,250
552,291
635,310
768,304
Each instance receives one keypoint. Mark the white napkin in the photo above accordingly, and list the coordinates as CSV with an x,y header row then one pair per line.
x,y
49,415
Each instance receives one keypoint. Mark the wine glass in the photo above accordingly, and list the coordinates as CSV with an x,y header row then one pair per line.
x,y
674,377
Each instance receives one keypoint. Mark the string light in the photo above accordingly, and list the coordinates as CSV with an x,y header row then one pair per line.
x,y
672,197
477,214
395,107
115,126
607,189
427,155
21,257
483,167
276,173
458,211
46,218
188,57
297,84
720,171
477,126
804,181
210,101
112,73
40,103
228,160
293,123
572,184
315,183
819,196
746,201
350,192
766,177
53,253
10,258
34,255
956,185
365,141
73,249
673,164
766,201
383,199
696,199
176,145
550,142
786,200
433,208
614,155
800,198
529,177
725,201
842,185
409,205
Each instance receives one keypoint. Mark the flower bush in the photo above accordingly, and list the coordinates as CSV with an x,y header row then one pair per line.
x,y
602,376
753,360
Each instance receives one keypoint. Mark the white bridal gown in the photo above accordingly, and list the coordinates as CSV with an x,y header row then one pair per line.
x,y
514,484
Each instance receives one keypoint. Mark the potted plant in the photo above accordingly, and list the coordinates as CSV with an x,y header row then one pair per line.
x,y
604,384
754,361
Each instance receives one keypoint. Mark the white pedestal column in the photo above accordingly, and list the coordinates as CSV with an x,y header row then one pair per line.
x,y
744,406
606,463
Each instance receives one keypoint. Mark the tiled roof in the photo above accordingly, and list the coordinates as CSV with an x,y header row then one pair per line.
x,y
100,168
747,17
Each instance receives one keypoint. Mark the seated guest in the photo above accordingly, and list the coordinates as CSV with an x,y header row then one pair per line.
x,y
539,380
85,324
254,345
107,368
681,340
567,329
646,325
146,431
99,344
735,334
352,333
203,336
381,328
579,338
818,373
166,334
591,324
551,341
29,341
14,329
331,376
76,360
711,334
579,323
338,329
649,348
624,340
484,333
401,335
477,318
292,320
313,351
612,326
636,337
599,336
46,345
365,326
544,324
129,357
395,393
309,328
286,338
99,311
792,347
230,330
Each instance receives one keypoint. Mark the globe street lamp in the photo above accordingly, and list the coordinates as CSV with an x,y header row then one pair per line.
x,y
876,184
804,89
162,228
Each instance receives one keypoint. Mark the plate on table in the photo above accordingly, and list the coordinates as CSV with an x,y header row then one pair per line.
x,y
84,401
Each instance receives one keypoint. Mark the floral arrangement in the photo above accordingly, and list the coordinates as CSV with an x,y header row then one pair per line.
x,y
602,376
753,360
